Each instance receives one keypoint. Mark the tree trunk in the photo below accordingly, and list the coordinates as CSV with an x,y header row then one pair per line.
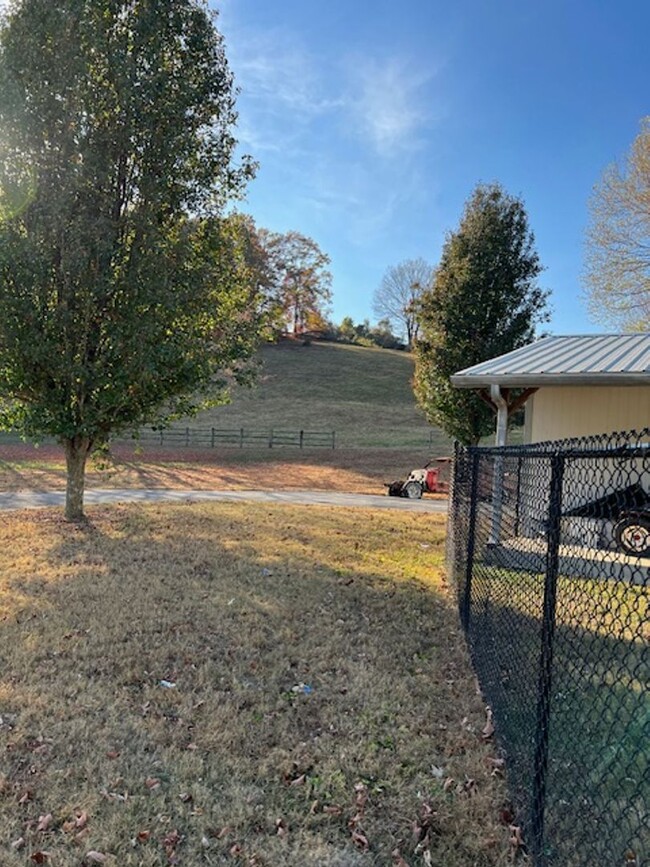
x,y
76,453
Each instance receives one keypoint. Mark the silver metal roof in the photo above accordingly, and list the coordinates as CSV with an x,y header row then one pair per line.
x,y
588,359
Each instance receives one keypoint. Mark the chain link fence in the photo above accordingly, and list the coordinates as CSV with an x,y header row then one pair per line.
x,y
549,546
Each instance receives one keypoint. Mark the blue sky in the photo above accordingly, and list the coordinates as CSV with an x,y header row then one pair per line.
x,y
373,121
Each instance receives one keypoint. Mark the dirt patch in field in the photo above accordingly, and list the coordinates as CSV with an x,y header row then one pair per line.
x,y
23,467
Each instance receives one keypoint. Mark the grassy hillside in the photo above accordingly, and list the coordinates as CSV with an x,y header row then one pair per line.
x,y
363,394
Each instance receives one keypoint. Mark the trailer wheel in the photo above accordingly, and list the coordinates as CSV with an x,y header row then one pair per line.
x,y
413,490
632,533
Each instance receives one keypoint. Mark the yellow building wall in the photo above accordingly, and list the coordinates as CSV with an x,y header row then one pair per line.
x,y
573,411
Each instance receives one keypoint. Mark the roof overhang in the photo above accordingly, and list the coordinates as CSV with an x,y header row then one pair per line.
x,y
538,380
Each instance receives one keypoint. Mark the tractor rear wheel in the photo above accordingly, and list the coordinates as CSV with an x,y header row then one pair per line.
x,y
632,533
413,490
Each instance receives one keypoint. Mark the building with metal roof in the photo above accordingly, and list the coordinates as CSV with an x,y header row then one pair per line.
x,y
573,385
593,359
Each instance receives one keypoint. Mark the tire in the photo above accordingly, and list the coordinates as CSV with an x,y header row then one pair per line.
x,y
632,534
412,490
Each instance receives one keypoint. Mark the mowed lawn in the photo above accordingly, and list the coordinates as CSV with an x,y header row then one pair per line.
x,y
227,684
363,394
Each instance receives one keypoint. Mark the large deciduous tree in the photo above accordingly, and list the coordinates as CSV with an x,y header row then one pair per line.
x,y
303,283
484,301
396,297
618,240
124,298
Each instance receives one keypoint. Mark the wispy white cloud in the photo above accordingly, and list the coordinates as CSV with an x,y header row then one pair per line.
x,y
338,136
286,87
281,88
388,103
276,70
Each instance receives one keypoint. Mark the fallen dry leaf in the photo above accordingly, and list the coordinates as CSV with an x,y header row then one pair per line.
x,y
488,730
18,844
361,795
44,822
143,836
281,828
398,861
152,782
112,754
170,842
469,786
96,857
360,840
40,857
516,839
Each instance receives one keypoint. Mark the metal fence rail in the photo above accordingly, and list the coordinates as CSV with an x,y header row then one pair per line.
x,y
239,437
549,546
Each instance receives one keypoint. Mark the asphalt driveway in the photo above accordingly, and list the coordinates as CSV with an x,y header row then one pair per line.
x,y
39,499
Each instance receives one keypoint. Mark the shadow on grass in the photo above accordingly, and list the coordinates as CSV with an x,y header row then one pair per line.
x,y
191,676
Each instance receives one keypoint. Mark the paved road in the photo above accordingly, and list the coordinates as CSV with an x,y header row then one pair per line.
x,y
38,499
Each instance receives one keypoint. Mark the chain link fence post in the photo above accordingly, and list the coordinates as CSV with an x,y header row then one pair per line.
x,y
471,541
543,714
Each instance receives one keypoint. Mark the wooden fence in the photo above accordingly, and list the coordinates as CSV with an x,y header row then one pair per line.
x,y
240,438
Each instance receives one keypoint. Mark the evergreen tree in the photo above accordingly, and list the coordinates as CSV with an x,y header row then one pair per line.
x,y
484,301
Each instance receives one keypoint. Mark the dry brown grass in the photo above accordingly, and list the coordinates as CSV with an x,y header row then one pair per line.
x,y
354,470
236,606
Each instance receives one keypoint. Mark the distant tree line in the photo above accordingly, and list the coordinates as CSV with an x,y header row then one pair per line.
x,y
363,333
290,274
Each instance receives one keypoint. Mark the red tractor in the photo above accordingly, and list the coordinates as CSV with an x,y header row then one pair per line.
x,y
427,480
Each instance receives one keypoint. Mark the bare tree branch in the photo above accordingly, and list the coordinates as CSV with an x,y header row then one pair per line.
x,y
400,287
617,273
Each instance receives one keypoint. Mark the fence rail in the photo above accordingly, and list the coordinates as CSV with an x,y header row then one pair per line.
x,y
239,437
549,546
